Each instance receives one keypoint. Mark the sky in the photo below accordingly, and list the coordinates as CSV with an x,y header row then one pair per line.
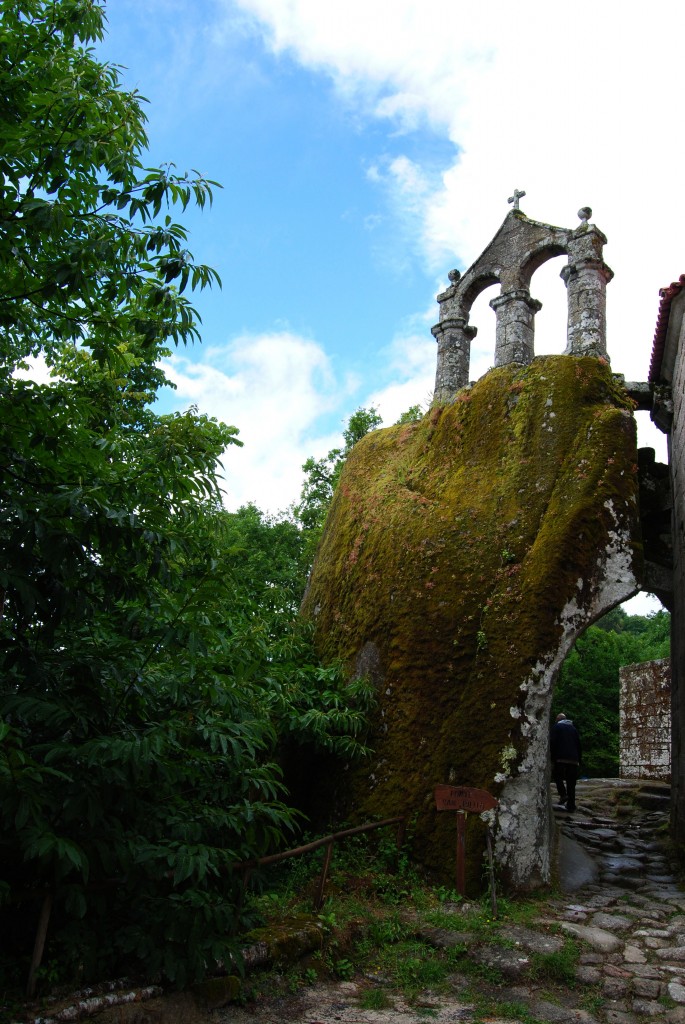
x,y
365,149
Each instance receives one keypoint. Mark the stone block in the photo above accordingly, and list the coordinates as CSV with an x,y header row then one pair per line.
x,y
646,988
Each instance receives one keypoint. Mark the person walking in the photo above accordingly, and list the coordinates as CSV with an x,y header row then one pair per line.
x,y
566,753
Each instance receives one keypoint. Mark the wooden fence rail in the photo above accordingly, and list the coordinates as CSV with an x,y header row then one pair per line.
x,y
249,865
246,866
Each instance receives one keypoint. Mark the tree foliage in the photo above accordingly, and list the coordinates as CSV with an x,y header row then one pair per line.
x,y
322,476
150,661
588,686
88,252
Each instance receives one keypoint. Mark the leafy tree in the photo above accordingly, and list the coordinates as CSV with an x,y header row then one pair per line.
x,y
411,415
85,253
588,686
322,475
148,661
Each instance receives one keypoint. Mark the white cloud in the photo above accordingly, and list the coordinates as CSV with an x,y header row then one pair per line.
x,y
576,107
275,388
411,376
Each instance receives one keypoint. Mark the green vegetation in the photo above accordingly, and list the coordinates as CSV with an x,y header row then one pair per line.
x,y
321,477
155,680
560,966
150,663
392,932
588,687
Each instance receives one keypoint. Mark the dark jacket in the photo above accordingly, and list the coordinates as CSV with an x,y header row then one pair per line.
x,y
565,742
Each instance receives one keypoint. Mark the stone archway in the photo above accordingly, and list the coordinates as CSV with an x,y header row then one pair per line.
x,y
461,557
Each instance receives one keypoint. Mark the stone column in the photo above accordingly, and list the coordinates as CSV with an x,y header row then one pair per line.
x,y
515,331
586,277
454,338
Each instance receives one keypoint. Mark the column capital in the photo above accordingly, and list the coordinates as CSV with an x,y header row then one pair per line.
x,y
456,323
516,295
586,264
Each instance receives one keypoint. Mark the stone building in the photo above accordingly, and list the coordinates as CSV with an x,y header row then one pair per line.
x,y
667,380
645,720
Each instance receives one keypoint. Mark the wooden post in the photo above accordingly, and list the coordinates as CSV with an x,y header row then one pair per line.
x,y
493,891
462,799
39,944
318,899
461,853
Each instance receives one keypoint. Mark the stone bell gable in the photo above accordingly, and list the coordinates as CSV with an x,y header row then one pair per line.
x,y
521,246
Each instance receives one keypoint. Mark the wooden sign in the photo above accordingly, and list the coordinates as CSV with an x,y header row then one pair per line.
x,y
463,798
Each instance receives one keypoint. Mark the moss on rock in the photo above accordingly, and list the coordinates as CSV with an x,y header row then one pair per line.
x,y
451,550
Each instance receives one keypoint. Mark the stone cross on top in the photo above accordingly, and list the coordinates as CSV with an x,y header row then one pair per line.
x,y
521,246
515,198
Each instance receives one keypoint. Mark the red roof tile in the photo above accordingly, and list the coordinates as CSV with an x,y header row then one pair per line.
x,y
667,296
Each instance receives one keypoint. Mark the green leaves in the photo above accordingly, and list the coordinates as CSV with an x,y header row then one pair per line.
x,y
151,663
588,687
82,258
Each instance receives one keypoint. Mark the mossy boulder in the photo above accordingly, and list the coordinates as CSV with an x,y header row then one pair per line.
x,y
462,556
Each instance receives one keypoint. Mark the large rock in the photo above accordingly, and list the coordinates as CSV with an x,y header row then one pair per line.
x,y
462,556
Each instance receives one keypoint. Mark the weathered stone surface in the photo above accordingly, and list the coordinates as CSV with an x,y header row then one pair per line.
x,y
646,971
511,963
615,988
646,988
676,953
471,549
598,938
620,1017
615,971
620,864
675,1016
544,1010
284,941
648,1007
518,249
588,975
614,922
645,720
676,991
634,955
443,938
532,941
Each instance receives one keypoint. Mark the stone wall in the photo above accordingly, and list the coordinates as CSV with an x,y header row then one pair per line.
x,y
645,720
667,375
676,461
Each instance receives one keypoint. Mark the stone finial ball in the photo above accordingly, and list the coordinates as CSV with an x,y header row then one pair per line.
x,y
454,276
585,213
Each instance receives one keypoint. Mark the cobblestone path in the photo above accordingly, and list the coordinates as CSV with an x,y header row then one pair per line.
x,y
620,900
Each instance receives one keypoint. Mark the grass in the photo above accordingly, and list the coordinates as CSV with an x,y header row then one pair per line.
x,y
559,967
377,922
513,1010
375,999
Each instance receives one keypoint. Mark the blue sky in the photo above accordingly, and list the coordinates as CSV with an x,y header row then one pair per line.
x,y
365,148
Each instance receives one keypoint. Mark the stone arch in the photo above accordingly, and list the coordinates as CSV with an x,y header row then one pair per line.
x,y
534,259
474,286
518,249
